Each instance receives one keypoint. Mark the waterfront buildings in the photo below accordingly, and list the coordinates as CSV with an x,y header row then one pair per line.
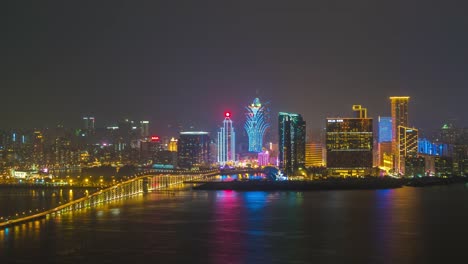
x,y
407,147
193,149
256,125
263,158
292,136
314,155
399,111
349,145
227,142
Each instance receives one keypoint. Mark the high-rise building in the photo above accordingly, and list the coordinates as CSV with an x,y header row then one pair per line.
x,y
172,145
144,129
399,111
407,147
292,136
193,149
88,123
256,125
227,141
314,155
385,129
349,145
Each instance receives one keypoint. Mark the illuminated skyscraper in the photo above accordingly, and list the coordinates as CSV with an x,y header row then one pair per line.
x,y
256,125
407,144
385,129
292,135
172,145
399,108
226,141
349,145
193,149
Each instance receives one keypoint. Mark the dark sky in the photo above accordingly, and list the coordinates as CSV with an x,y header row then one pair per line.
x,y
188,61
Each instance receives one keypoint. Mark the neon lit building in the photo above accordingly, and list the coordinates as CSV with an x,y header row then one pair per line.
x,y
256,125
385,129
263,158
226,141
407,146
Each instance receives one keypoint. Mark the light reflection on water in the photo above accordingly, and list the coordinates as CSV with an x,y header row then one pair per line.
x,y
383,226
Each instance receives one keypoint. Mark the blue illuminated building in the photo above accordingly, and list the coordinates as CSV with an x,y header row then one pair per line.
x,y
256,125
427,147
385,129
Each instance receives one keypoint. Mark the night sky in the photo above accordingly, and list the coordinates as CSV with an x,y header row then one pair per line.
x,y
186,62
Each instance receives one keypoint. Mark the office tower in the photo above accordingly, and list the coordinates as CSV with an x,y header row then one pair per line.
x,y
349,146
385,129
407,146
144,129
88,123
193,149
314,155
227,142
256,125
172,145
292,135
399,111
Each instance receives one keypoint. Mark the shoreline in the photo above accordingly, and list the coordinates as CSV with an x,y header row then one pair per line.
x,y
329,184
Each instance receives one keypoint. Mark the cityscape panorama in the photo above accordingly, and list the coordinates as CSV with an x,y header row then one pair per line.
x,y
233,132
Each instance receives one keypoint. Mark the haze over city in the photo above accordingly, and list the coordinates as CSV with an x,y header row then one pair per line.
x,y
304,131
185,63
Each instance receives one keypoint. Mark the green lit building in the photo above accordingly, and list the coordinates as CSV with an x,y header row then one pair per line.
x,y
292,140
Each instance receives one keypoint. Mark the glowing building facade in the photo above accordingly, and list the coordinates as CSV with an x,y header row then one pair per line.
x,y
263,158
256,125
227,142
407,144
349,146
193,149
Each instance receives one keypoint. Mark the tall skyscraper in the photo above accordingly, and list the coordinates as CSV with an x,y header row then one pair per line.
x,y
193,149
385,129
144,129
349,144
399,108
256,125
292,137
226,141
88,123
407,143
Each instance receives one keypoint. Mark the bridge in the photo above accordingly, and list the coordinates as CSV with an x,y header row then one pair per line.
x,y
143,182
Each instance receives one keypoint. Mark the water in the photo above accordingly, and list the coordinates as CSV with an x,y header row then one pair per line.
x,y
18,200
407,225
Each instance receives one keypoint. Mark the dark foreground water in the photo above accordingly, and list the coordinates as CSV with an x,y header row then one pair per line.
x,y
408,225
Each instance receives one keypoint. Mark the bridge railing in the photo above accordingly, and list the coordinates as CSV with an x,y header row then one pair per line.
x,y
141,183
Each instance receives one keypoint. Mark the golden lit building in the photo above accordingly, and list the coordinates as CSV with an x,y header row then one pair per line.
x,y
314,155
407,146
349,145
172,145
399,111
